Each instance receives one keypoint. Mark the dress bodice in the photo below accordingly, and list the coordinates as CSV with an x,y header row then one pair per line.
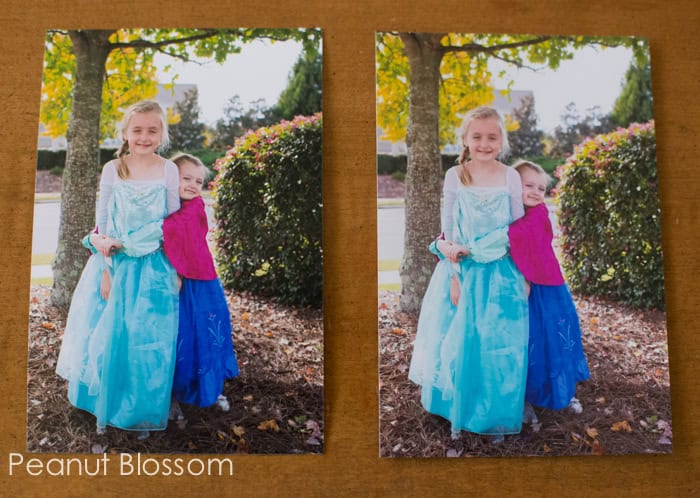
x,y
480,211
135,215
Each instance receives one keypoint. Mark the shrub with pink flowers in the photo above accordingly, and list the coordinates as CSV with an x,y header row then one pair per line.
x,y
268,209
610,218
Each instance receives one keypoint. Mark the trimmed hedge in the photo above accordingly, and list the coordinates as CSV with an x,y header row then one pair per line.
x,y
610,218
388,164
268,207
49,159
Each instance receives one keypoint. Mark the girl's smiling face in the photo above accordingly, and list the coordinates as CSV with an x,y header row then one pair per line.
x,y
484,140
144,133
191,180
534,187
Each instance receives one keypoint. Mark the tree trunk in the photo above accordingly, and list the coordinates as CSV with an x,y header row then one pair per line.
x,y
91,48
423,171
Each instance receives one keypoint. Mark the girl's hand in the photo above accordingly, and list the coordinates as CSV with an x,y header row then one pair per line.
x,y
455,290
527,288
179,283
105,245
461,251
105,285
455,252
114,246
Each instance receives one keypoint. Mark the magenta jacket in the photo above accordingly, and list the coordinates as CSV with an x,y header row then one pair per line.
x,y
185,241
531,247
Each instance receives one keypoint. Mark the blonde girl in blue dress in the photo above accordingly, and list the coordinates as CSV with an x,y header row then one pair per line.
x,y
470,353
118,348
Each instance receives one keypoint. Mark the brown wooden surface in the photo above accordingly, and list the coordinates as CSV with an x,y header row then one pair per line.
x,y
350,466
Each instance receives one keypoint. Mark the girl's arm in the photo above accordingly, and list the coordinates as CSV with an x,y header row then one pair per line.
x,y
440,246
172,184
449,194
107,179
515,187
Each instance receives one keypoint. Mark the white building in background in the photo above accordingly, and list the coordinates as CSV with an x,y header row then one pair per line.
x,y
504,104
166,97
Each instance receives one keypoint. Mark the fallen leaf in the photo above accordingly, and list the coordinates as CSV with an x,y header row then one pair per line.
x,y
245,316
98,448
383,306
314,427
592,432
453,453
576,437
398,331
238,430
48,325
546,448
600,401
666,427
269,425
597,448
313,441
248,397
222,436
622,425
664,440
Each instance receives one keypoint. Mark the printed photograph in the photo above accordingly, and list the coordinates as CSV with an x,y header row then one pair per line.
x,y
176,289
520,271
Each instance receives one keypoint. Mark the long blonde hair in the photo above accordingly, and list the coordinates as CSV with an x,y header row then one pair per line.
x,y
144,106
481,112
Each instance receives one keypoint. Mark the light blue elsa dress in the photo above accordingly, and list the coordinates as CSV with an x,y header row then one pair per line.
x,y
471,360
119,355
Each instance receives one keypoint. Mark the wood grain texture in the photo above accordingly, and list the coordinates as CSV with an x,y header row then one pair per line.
x,y
351,466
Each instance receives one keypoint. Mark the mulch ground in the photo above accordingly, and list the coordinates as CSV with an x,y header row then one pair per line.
x,y
276,402
627,406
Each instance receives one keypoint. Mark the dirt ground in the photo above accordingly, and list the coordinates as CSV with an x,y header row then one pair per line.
x,y
627,406
276,402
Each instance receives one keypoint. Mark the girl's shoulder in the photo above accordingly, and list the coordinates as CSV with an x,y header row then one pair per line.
x,y
452,178
512,175
109,172
111,164
169,164
171,173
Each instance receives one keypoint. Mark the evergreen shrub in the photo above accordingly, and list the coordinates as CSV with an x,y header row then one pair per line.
x,y
610,218
268,208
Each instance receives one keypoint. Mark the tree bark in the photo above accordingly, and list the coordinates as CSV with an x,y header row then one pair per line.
x,y
423,171
91,48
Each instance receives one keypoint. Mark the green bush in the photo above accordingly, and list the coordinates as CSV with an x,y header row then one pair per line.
x,y
50,159
268,207
388,164
56,171
610,218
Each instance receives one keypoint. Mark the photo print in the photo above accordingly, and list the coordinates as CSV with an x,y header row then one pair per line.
x,y
520,273
176,290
